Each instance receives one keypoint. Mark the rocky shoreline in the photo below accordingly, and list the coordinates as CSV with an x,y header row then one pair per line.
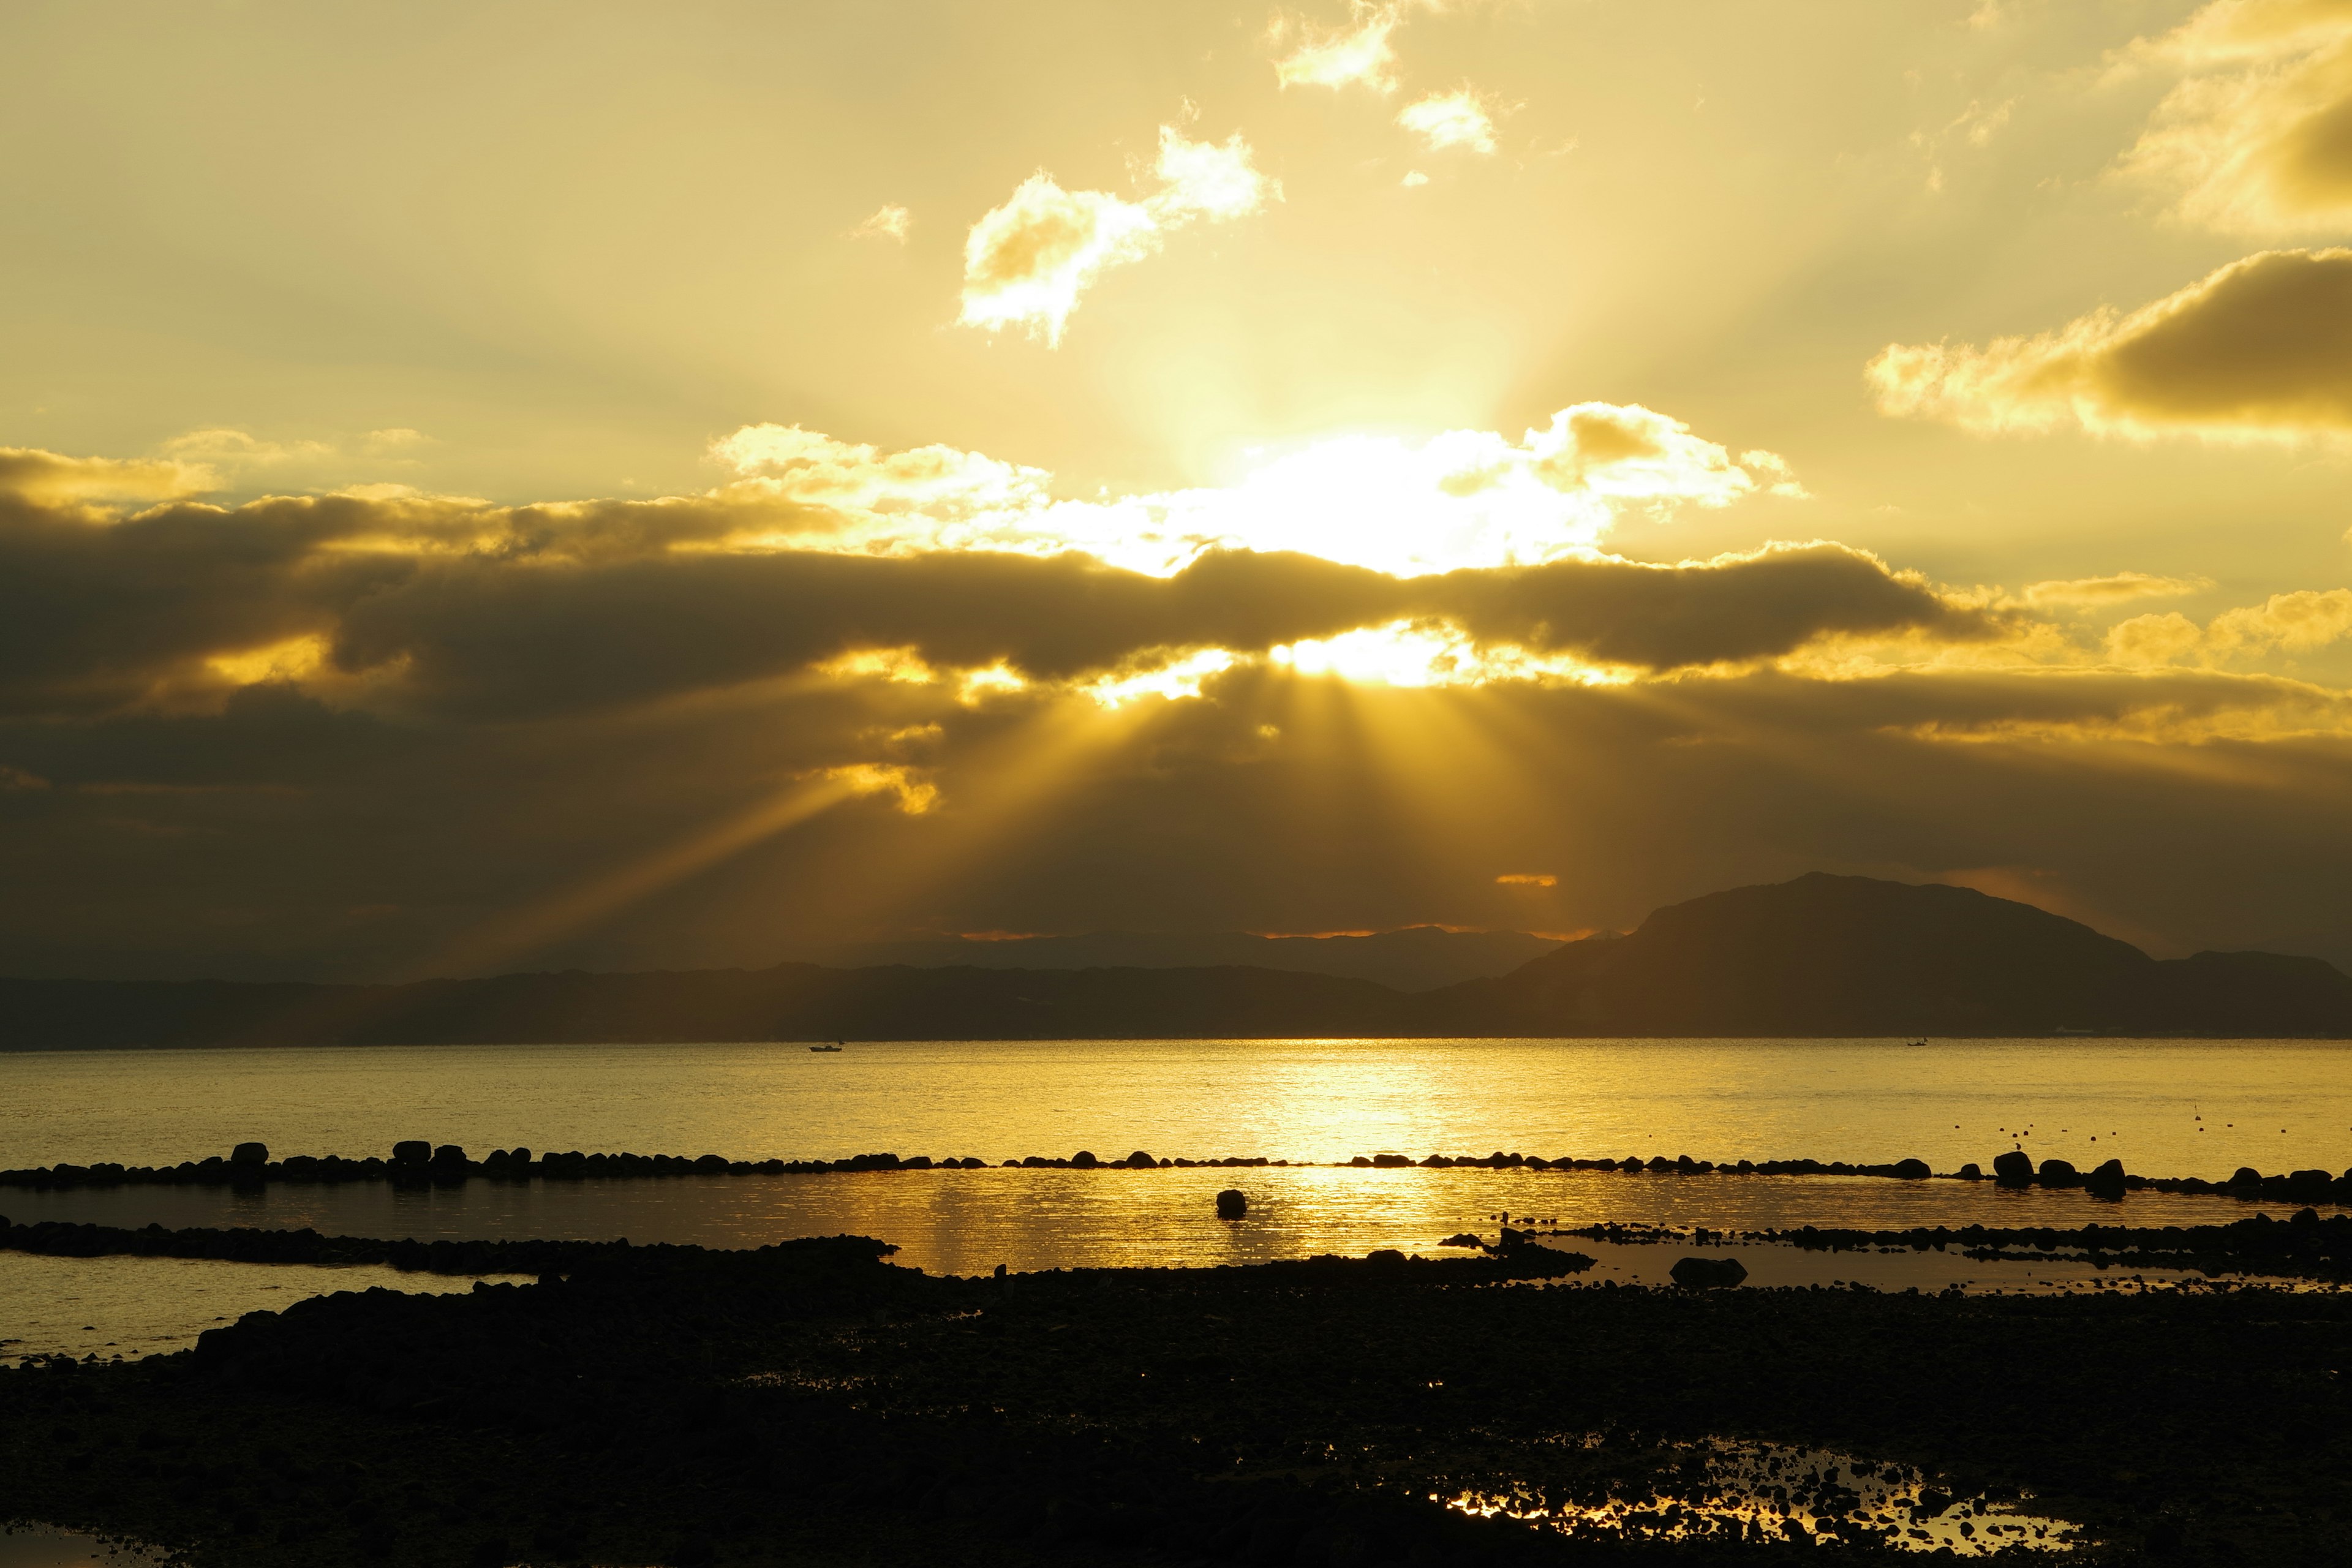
x,y
418,1163
810,1402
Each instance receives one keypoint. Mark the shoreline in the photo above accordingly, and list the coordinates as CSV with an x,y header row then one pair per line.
x,y
810,1402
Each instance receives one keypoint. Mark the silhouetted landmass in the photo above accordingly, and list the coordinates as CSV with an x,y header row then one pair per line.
x,y
1418,958
1827,955
807,1403
1818,956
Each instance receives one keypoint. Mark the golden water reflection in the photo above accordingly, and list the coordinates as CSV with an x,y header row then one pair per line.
x,y
2166,1107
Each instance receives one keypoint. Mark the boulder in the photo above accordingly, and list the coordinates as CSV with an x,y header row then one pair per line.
x,y
2309,1186
2246,1177
1709,1273
2014,1169
411,1152
449,1155
1084,1160
2060,1174
2106,1181
1462,1239
1912,1170
1139,1161
1972,1171
1232,1205
250,1155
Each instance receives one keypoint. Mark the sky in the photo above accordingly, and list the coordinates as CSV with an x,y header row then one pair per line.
x,y
525,486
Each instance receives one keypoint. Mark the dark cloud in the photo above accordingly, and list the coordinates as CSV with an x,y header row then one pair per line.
x,y
540,610
280,835
2263,346
507,714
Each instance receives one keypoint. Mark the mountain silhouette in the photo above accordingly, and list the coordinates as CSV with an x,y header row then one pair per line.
x,y
1826,955
1822,955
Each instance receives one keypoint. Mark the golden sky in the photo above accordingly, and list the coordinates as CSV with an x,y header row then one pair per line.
x,y
497,485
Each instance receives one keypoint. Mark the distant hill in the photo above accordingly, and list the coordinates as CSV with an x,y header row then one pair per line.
x,y
1822,955
1418,958
1851,955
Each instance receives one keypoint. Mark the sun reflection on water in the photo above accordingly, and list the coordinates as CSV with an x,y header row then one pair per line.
x,y
1756,1491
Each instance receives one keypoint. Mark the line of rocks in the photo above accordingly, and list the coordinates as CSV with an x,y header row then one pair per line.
x,y
416,1161
2303,1245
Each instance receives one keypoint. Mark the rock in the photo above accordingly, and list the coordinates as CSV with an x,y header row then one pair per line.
x,y
2309,1186
2060,1174
1709,1273
448,1155
1084,1160
1972,1171
1912,1170
2106,1181
250,1155
411,1152
1232,1205
2014,1169
2246,1177
1464,1239
1139,1161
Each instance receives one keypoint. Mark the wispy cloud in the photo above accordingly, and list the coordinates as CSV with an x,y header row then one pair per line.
x,y
1027,262
888,222
2251,140
1356,55
1456,119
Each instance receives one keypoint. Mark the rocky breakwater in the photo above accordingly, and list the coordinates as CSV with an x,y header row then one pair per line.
x,y
418,1162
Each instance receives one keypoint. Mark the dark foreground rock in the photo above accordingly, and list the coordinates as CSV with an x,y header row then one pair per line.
x,y
810,1402
1709,1273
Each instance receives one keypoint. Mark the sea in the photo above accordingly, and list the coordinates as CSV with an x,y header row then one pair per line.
x,y
2171,1108
2164,1107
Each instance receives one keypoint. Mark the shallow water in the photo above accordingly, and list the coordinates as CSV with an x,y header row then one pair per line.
x,y
1771,1491
135,1307
37,1546
967,1222
2275,1105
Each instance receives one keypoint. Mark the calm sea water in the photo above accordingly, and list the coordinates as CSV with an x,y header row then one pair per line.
x,y
2165,1107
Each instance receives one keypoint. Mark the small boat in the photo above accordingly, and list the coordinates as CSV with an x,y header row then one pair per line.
x,y
835,1046
1918,1043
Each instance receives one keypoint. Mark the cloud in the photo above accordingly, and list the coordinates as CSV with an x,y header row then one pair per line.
x,y
2257,137
229,448
1456,119
1357,55
346,732
1027,262
2299,621
423,604
2261,348
2115,588
913,793
889,221
47,477
1461,497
